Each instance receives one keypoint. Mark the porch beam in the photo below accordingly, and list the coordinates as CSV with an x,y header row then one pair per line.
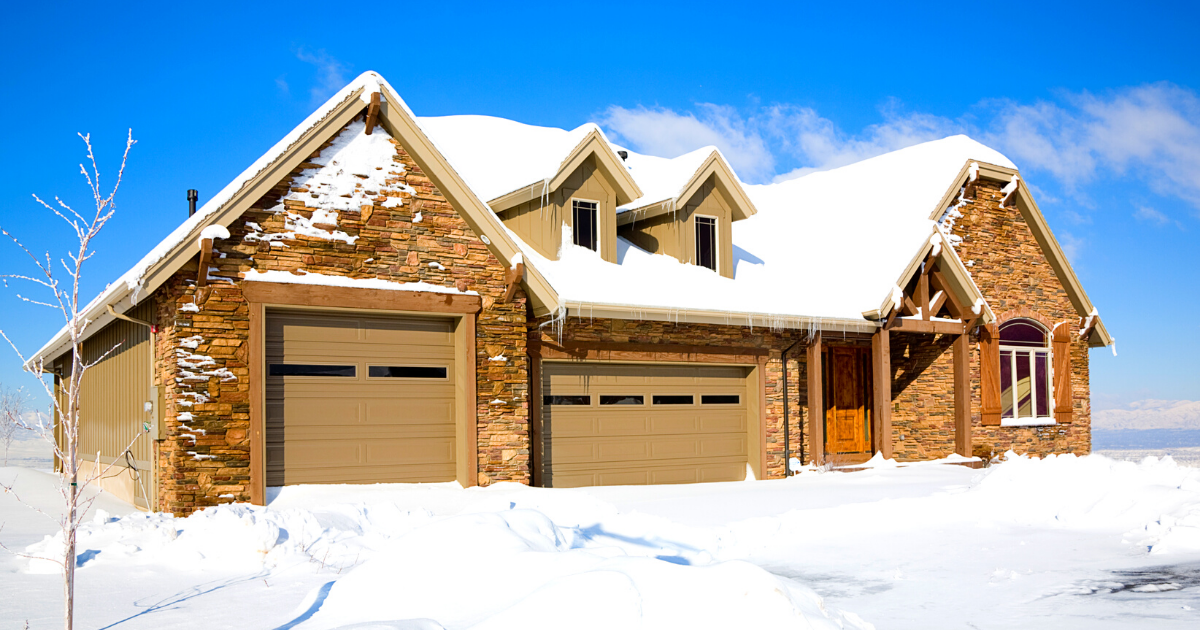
x,y
816,404
881,364
962,395
923,295
929,328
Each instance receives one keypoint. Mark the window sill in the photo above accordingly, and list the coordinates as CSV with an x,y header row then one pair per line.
x,y
1027,422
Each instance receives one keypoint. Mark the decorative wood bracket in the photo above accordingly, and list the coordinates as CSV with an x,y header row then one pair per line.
x,y
372,113
206,246
512,279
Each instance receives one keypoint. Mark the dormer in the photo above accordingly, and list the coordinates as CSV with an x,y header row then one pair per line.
x,y
696,225
582,197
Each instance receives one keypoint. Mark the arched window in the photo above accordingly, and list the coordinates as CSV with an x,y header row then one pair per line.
x,y
1025,373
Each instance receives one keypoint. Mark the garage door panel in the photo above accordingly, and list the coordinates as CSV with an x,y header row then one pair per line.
x,y
410,449
599,444
360,429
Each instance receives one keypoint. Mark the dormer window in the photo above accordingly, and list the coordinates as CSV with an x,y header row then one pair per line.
x,y
584,221
706,242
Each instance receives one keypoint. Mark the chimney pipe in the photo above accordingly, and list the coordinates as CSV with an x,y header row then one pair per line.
x,y
192,197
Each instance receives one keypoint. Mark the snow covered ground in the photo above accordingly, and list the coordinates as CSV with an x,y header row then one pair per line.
x,y
1064,542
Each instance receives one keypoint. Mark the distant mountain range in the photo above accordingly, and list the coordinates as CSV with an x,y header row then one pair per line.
x,y
1150,414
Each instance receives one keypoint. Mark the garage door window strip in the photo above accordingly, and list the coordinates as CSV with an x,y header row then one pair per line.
x,y
301,369
674,400
720,399
407,371
567,400
622,400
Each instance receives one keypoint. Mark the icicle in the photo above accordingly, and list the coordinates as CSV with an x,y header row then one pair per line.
x,y
1114,346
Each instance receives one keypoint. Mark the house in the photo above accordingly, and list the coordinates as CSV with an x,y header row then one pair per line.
x,y
387,298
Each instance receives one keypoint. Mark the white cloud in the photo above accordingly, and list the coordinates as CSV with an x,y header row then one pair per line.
x,y
1146,214
331,74
668,133
1151,132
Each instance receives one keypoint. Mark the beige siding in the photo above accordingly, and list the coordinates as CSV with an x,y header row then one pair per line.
x,y
114,391
539,222
674,234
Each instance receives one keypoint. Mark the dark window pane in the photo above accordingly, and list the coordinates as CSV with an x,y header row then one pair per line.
x,y
405,371
1024,386
297,369
1006,385
567,400
720,399
706,242
584,223
1022,332
1042,380
673,400
622,400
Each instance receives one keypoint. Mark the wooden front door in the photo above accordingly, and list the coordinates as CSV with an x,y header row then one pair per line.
x,y
848,396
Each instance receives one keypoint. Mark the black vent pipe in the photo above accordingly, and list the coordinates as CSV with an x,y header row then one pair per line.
x,y
192,197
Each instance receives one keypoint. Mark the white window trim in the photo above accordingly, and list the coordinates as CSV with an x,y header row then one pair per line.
x,y
716,241
599,242
1035,421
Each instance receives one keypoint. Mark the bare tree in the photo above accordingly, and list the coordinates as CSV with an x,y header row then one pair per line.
x,y
64,297
12,412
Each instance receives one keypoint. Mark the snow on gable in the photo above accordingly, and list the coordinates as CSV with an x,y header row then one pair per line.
x,y
496,156
662,179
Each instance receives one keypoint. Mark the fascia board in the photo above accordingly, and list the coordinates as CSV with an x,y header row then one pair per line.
x,y
1058,260
648,211
725,318
517,197
608,161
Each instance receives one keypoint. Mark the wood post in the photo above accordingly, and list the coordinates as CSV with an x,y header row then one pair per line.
x,y
962,395
881,366
372,113
989,375
816,404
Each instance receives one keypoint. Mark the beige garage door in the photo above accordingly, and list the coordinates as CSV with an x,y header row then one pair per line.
x,y
612,424
359,398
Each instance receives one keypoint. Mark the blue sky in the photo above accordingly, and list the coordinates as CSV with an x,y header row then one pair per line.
x,y
1097,103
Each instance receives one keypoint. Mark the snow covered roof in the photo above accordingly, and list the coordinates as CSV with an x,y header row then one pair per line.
x,y
827,246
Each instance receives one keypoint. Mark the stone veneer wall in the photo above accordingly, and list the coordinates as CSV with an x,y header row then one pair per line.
x,y
205,458
1018,281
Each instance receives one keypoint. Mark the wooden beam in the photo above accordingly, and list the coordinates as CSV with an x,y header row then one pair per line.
x,y
939,301
282,293
910,307
513,279
957,308
892,318
923,295
372,113
929,328
962,395
206,246
816,404
881,367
